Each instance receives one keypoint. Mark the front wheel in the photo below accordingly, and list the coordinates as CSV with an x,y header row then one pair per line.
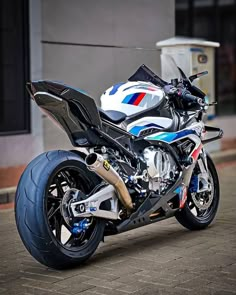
x,y
200,208
40,197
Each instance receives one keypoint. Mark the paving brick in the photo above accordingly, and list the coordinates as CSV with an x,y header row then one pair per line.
x,y
76,288
130,288
105,283
72,280
99,275
106,291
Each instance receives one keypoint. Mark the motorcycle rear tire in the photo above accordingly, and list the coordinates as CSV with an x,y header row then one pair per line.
x,y
32,216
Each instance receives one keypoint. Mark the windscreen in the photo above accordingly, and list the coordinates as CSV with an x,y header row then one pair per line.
x,y
169,68
169,71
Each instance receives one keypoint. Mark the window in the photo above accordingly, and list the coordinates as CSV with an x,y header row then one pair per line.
x,y
214,20
14,67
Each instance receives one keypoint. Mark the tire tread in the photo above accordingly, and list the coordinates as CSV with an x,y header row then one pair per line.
x,y
187,219
29,205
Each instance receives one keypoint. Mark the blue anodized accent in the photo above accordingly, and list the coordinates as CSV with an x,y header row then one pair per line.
x,y
170,136
80,227
193,186
93,209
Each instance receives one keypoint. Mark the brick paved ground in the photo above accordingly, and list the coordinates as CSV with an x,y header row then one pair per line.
x,y
162,258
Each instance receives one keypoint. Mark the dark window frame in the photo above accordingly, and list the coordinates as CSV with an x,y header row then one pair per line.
x,y
25,98
189,20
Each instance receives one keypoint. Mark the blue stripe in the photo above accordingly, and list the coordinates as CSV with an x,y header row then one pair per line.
x,y
129,99
170,136
116,87
178,190
136,129
133,98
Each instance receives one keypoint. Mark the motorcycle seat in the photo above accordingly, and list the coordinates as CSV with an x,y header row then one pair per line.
x,y
112,116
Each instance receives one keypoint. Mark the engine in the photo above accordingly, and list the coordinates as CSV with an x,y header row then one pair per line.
x,y
162,169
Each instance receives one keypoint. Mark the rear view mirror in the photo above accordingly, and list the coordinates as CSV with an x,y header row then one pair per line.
x,y
198,75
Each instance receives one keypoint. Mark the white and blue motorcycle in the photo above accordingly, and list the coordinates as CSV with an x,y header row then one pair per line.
x,y
143,161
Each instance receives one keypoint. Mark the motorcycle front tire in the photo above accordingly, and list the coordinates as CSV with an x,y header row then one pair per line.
x,y
186,218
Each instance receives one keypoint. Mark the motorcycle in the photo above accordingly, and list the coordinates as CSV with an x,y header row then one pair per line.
x,y
142,161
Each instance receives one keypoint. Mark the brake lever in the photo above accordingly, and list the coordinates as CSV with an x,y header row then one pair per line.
x,y
213,103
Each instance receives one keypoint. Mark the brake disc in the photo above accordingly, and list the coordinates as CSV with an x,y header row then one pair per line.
x,y
202,200
70,196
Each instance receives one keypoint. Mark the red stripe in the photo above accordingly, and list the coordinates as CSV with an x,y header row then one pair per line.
x,y
138,99
183,198
196,152
152,89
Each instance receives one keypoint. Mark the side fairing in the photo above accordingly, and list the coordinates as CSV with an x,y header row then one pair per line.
x,y
136,127
194,131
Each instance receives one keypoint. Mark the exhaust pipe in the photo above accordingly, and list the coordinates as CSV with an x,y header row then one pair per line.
x,y
102,168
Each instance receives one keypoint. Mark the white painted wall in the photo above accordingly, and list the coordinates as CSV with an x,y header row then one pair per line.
x,y
134,25
228,124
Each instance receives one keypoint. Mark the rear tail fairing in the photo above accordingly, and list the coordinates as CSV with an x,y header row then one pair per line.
x,y
75,111
78,115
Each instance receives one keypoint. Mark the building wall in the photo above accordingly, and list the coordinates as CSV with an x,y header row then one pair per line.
x,y
94,44
17,150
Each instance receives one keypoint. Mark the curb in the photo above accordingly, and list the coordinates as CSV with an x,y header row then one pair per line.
x,y
7,195
224,156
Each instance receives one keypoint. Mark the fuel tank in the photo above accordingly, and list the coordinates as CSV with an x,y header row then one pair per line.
x,y
144,103
132,97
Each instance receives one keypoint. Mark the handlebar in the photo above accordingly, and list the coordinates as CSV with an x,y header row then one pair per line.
x,y
191,98
184,94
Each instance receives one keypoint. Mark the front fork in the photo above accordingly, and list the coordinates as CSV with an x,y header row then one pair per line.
x,y
191,182
200,182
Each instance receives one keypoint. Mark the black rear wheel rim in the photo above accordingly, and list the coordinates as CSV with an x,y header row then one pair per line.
x,y
62,180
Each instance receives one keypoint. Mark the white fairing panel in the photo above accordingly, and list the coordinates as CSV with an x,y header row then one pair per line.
x,y
148,122
131,97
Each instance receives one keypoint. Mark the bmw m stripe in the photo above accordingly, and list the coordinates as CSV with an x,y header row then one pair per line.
x,y
136,129
134,99
170,136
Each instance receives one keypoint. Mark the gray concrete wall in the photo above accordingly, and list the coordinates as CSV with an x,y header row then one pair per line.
x,y
21,149
129,30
